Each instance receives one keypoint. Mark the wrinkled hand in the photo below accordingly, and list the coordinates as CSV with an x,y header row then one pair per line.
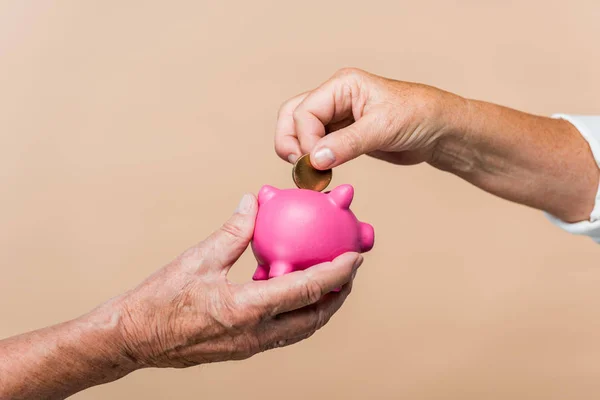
x,y
188,313
355,113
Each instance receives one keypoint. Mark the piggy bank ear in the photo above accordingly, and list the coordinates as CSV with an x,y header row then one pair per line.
x,y
342,196
266,192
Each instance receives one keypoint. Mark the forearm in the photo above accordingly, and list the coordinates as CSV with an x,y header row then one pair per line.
x,y
58,361
540,162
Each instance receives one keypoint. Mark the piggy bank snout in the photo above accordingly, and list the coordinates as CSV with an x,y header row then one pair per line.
x,y
367,237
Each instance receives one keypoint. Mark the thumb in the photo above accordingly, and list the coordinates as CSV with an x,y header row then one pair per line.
x,y
227,244
363,136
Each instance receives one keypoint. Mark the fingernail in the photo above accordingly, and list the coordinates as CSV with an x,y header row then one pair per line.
x,y
323,158
245,204
292,158
358,262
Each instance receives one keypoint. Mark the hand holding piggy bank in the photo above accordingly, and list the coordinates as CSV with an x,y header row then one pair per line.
x,y
299,228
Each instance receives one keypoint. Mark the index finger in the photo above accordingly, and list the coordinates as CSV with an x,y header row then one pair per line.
x,y
286,139
313,114
301,288
338,98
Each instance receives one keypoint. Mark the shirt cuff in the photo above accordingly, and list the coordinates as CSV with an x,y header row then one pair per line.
x,y
589,127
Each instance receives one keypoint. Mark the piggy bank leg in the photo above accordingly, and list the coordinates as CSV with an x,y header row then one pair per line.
x,y
279,268
261,273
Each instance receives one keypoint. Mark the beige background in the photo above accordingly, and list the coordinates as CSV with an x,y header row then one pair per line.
x,y
129,130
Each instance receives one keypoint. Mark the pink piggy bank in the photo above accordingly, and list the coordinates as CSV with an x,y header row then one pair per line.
x,y
298,228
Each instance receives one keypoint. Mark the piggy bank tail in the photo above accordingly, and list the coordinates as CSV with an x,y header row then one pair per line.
x,y
367,237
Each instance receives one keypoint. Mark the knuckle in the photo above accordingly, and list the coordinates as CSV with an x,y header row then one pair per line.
x,y
249,314
278,147
317,319
228,313
284,109
251,345
323,320
313,321
241,347
352,140
388,125
297,114
233,230
192,258
312,291
269,340
348,289
349,72
310,334
271,345
283,148
289,105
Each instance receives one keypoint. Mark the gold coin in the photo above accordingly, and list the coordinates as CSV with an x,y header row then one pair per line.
x,y
308,177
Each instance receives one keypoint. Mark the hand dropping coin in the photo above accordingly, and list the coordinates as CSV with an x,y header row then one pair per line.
x,y
308,177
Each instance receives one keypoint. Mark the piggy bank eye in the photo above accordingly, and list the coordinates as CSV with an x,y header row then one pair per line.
x,y
342,196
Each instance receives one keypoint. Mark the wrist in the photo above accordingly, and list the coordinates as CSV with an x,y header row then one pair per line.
x,y
60,360
99,334
452,152
536,161
587,175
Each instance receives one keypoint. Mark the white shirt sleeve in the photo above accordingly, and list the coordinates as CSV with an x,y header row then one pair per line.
x,y
589,127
